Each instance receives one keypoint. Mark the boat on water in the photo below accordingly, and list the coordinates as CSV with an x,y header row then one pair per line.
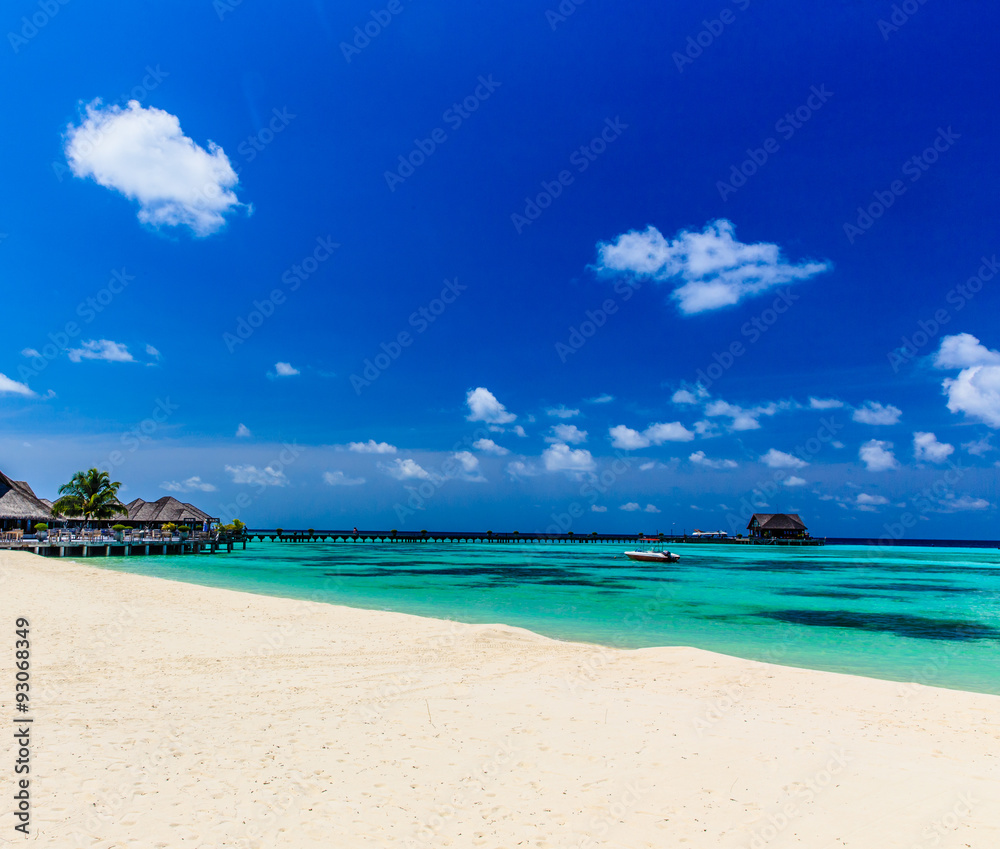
x,y
656,553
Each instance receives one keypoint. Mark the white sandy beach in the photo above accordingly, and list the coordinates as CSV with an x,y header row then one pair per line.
x,y
172,715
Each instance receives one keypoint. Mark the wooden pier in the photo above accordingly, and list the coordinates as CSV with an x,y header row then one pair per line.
x,y
488,537
142,548
205,545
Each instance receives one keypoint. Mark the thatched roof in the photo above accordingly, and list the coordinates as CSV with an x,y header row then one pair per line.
x,y
778,521
166,509
17,501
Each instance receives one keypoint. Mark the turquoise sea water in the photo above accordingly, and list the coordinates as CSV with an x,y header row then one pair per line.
x,y
930,615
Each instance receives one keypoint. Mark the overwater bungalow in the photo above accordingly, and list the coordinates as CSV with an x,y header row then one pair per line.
x,y
776,526
20,508
163,510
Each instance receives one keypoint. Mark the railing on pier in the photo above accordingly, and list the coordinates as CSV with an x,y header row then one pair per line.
x,y
490,537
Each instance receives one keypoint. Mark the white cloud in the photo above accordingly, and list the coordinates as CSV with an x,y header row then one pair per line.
x,y
9,386
656,434
668,432
371,447
561,458
874,413
468,460
243,432
865,498
484,407
869,503
776,459
927,447
338,478
594,508
956,504
567,433
979,447
285,370
31,353
470,467
268,476
101,349
794,480
488,446
743,418
190,485
825,403
517,430
562,412
699,458
144,155
713,269
520,469
706,429
627,439
633,507
151,351
962,351
687,396
877,455
601,399
405,470
976,390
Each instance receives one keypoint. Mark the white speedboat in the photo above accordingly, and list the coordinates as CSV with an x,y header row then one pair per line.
x,y
656,553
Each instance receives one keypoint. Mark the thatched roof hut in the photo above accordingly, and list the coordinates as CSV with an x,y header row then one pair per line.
x,y
161,511
776,525
19,504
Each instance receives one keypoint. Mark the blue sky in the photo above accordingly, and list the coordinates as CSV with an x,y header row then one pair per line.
x,y
528,266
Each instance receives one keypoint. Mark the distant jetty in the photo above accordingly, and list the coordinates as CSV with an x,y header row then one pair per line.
x,y
488,537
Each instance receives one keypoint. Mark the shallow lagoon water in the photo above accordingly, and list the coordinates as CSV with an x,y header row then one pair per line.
x,y
930,615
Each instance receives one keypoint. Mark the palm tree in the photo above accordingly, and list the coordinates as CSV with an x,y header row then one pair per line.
x,y
91,494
